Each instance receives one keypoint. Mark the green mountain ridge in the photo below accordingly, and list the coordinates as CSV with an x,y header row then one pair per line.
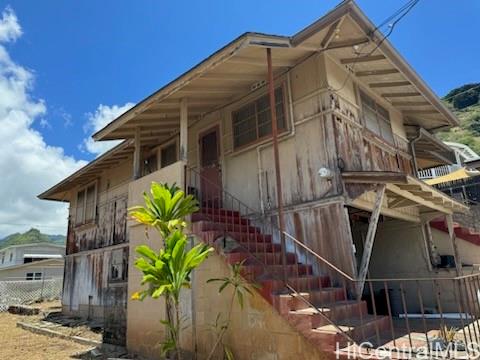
x,y
32,236
464,101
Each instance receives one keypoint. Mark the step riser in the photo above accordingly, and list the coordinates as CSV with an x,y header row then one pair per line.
x,y
300,284
213,226
254,271
262,265
211,236
337,313
222,212
219,218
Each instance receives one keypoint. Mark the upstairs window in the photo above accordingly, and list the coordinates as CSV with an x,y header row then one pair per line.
x,y
168,155
376,118
86,205
253,121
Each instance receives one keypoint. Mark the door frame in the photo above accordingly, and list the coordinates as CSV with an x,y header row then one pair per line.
x,y
204,131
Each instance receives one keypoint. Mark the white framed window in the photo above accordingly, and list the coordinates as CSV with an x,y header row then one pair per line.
x,y
33,276
86,204
376,117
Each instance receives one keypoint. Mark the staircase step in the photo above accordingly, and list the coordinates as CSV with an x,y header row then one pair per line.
x,y
219,211
357,328
210,225
254,271
337,311
299,283
210,236
226,219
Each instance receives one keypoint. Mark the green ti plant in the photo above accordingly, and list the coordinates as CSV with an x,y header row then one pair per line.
x,y
167,272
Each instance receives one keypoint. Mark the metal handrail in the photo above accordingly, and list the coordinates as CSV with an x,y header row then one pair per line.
x,y
463,286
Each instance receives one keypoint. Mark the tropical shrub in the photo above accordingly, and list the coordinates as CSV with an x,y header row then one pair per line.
x,y
168,271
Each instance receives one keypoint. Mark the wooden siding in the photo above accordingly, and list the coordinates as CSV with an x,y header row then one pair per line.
x,y
87,275
109,229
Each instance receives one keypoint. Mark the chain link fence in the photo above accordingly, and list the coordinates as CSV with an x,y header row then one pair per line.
x,y
13,292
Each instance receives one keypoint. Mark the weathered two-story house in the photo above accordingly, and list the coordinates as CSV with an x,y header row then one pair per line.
x,y
323,202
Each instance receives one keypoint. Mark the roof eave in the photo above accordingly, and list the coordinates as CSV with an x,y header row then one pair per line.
x,y
48,194
218,57
389,51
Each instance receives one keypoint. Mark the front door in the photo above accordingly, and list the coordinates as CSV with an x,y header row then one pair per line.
x,y
210,171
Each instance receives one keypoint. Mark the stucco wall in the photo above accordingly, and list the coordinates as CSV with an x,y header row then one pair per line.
x,y
399,252
469,253
257,331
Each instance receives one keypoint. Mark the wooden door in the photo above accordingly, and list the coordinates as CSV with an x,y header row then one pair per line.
x,y
210,171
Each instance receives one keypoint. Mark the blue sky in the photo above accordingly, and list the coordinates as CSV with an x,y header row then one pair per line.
x,y
68,67
84,54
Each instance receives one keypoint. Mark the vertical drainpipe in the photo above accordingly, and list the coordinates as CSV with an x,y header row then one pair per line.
x,y
271,90
414,156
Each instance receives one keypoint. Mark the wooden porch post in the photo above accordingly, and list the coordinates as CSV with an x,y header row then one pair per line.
x,y
368,247
273,113
453,240
183,129
137,155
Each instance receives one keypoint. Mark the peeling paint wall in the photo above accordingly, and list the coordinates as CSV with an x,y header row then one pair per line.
x,y
96,265
257,331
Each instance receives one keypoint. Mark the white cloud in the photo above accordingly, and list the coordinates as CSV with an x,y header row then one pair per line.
x,y
10,29
28,165
96,121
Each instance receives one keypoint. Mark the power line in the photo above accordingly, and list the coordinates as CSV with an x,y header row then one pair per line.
x,y
460,93
402,12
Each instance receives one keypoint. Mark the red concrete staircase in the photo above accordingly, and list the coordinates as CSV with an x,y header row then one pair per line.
x,y
312,303
463,232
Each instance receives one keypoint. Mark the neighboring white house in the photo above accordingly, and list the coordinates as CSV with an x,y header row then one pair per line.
x,y
463,155
32,261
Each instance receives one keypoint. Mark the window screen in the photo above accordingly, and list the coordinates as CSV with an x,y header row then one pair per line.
x,y
80,207
86,205
376,117
168,155
90,204
253,121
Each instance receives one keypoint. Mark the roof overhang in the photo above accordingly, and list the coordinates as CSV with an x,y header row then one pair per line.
x,y
90,172
406,191
240,67
430,151
43,256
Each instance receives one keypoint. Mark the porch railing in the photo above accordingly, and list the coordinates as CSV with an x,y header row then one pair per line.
x,y
412,314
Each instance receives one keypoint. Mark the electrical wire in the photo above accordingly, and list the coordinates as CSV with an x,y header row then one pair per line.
x,y
460,93
400,13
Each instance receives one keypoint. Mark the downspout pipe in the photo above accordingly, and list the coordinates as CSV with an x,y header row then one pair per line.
x,y
412,149
276,155
289,135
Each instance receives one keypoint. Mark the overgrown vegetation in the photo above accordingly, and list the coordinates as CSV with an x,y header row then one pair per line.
x,y
32,236
239,288
167,272
464,101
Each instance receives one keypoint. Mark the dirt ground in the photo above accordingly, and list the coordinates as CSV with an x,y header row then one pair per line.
x,y
19,344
